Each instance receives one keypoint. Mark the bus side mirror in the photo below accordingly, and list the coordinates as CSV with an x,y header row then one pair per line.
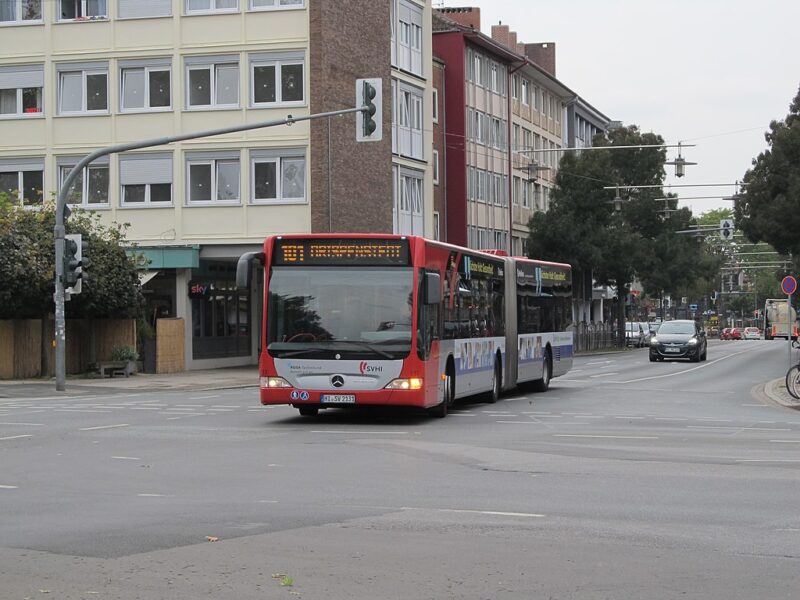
x,y
243,270
433,288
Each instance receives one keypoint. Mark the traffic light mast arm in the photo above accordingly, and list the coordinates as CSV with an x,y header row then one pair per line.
x,y
61,203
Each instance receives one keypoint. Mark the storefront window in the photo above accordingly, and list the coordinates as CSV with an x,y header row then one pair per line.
x,y
220,319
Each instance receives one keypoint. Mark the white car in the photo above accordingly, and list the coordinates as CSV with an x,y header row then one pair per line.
x,y
751,333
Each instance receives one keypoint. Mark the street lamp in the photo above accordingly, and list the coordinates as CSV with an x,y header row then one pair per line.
x,y
679,163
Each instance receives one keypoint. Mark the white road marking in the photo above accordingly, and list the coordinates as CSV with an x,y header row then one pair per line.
x,y
225,406
190,405
104,427
126,458
15,437
80,410
785,441
204,397
772,460
360,432
477,512
703,366
267,501
8,487
600,362
151,495
456,414
742,428
614,437
25,424
621,417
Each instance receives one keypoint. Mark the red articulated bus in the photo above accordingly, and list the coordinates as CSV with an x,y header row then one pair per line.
x,y
366,319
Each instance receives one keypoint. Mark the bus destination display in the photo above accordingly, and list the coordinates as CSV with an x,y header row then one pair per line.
x,y
341,252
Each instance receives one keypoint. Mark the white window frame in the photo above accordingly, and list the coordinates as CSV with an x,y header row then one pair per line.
x,y
84,6
213,162
408,107
277,5
137,9
516,190
19,79
279,158
147,70
212,66
408,39
147,203
525,86
278,62
18,5
208,11
85,73
20,167
66,165
435,161
435,115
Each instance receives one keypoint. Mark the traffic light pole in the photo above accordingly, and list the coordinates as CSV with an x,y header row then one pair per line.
x,y
61,202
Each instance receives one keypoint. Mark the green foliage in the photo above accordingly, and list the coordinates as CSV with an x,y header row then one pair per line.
x,y
124,353
769,208
582,229
27,266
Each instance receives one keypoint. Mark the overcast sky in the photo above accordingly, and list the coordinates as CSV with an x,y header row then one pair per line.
x,y
707,72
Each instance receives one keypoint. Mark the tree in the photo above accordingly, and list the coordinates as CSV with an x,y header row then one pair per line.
x,y
582,229
769,208
27,265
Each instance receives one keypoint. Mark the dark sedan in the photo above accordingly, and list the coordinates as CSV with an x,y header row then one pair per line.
x,y
679,339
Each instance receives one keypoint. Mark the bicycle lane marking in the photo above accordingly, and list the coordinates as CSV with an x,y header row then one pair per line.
x,y
708,364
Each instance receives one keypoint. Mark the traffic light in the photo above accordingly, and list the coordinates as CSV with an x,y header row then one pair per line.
x,y
369,97
75,263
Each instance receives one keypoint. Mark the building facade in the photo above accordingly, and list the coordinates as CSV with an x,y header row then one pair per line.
x,y
78,75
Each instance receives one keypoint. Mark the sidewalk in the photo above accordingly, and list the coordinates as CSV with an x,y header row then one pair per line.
x,y
209,379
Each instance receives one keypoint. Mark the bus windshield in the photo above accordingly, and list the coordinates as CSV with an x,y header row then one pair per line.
x,y
357,313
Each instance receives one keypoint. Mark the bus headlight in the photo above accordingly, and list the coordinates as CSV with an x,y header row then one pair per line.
x,y
274,383
414,383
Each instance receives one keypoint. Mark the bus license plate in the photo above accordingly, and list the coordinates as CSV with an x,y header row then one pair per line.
x,y
338,399
675,350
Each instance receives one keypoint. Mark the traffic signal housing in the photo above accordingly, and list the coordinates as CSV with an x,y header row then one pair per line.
x,y
369,97
75,263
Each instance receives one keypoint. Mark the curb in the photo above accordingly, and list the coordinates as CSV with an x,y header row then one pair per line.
x,y
775,391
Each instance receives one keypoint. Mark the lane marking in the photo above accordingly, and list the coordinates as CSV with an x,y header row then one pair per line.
x,y
785,441
703,366
203,397
613,437
80,410
126,458
360,432
104,427
25,424
151,495
772,460
478,512
742,428
15,437
8,487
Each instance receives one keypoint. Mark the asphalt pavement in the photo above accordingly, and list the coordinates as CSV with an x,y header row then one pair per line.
x,y
772,390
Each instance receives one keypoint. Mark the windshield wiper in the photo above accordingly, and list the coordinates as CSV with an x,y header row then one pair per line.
x,y
369,347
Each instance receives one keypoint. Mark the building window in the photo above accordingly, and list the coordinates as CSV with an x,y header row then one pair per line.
x,y
409,41
524,92
436,167
277,177
277,79
146,179
408,202
21,91
436,226
515,87
20,11
22,179
145,88
211,6
82,10
435,105
213,178
212,83
83,90
138,9
408,108
275,4
517,191
90,188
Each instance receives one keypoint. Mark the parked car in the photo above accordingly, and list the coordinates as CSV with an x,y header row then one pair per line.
x,y
735,333
646,331
634,334
654,325
725,334
679,339
752,333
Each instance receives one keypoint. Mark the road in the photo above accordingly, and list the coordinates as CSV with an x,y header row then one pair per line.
x,y
628,479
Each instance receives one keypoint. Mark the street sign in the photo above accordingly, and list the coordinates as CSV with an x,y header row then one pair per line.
x,y
693,307
726,229
789,285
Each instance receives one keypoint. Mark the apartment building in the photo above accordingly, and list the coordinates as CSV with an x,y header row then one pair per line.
x,y
78,75
504,128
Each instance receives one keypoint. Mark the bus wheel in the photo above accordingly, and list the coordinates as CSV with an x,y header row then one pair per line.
x,y
543,384
308,411
448,394
497,383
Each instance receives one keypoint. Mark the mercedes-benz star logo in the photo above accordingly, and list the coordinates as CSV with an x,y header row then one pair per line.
x,y
337,381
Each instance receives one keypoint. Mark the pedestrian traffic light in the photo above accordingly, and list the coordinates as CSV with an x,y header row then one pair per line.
x,y
369,99
75,263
